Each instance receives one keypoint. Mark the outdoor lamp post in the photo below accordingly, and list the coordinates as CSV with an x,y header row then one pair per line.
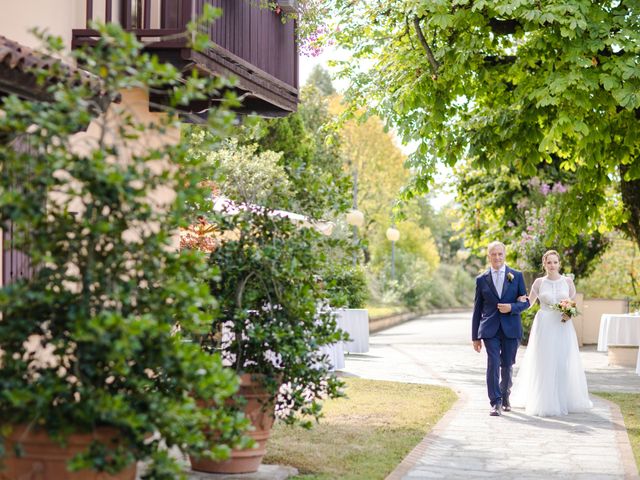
x,y
355,218
393,235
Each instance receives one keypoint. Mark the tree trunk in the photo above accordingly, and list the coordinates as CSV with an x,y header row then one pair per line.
x,y
630,191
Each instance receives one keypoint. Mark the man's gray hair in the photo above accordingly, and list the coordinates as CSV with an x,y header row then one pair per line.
x,y
495,244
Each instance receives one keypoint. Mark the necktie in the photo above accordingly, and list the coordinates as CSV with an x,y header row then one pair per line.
x,y
499,282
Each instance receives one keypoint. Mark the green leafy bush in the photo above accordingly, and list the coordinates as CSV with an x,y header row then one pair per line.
x,y
414,287
108,289
273,282
346,285
616,275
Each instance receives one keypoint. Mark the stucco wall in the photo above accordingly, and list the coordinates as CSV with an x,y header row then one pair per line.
x,y
592,312
59,17
134,103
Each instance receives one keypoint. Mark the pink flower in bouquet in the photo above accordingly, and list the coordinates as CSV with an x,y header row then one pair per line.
x,y
567,307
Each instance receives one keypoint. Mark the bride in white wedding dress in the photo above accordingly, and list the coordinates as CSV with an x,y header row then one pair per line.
x,y
551,380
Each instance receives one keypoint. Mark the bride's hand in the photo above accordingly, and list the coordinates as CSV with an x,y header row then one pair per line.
x,y
523,298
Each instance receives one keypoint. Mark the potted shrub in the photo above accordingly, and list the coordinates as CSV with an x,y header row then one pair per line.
x,y
274,315
91,349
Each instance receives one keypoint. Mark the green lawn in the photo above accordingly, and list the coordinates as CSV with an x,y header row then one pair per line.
x,y
629,404
364,436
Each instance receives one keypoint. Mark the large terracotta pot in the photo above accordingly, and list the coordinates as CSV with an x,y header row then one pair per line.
x,y
45,459
261,413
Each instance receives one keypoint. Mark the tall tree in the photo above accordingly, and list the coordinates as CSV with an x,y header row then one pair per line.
x,y
443,224
310,155
522,84
376,165
320,78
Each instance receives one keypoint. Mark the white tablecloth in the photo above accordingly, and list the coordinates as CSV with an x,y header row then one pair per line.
x,y
354,321
335,352
618,329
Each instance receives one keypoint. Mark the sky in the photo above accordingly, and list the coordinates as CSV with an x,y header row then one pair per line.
x,y
306,64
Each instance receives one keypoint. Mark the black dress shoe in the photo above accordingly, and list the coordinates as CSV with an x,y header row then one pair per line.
x,y
495,410
506,406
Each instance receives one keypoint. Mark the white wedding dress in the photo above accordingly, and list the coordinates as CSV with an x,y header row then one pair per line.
x,y
551,380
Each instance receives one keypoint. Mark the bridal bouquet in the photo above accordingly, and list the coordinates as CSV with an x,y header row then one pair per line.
x,y
567,308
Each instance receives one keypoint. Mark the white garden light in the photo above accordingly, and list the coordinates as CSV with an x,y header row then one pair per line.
x,y
393,234
355,218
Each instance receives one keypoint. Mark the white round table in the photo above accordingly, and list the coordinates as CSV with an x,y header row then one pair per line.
x,y
354,321
618,329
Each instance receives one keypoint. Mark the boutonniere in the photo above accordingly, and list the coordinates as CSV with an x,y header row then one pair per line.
x,y
510,276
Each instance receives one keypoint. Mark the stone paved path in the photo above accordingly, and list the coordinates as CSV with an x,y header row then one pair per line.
x,y
468,443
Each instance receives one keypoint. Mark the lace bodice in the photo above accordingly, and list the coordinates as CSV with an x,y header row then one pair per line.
x,y
550,292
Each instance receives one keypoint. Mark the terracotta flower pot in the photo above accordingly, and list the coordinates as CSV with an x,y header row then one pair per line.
x,y
45,459
261,413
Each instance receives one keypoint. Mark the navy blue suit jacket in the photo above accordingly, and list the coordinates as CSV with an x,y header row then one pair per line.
x,y
486,316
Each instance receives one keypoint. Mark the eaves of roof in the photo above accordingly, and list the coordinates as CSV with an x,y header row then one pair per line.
x,y
18,64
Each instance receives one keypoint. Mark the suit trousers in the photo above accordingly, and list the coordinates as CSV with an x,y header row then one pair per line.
x,y
501,355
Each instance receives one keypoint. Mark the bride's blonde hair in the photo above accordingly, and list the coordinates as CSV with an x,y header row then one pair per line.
x,y
547,254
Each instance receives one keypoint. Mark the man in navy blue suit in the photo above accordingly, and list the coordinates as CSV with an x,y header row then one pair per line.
x,y
496,322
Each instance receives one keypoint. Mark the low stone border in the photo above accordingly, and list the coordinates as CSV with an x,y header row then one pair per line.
x,y
381,323
388,321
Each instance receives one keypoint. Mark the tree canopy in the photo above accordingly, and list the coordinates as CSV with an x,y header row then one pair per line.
x,y
527,85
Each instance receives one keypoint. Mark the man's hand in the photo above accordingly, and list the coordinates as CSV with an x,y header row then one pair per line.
x,y
477,345
504,307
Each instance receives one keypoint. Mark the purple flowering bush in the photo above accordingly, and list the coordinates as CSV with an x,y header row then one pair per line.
x,y
530,214
312,44
578,254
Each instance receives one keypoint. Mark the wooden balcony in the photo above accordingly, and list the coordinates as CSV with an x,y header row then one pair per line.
x,y
251,44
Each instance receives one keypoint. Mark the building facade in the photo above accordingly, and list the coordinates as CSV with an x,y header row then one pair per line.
x,y
256,47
